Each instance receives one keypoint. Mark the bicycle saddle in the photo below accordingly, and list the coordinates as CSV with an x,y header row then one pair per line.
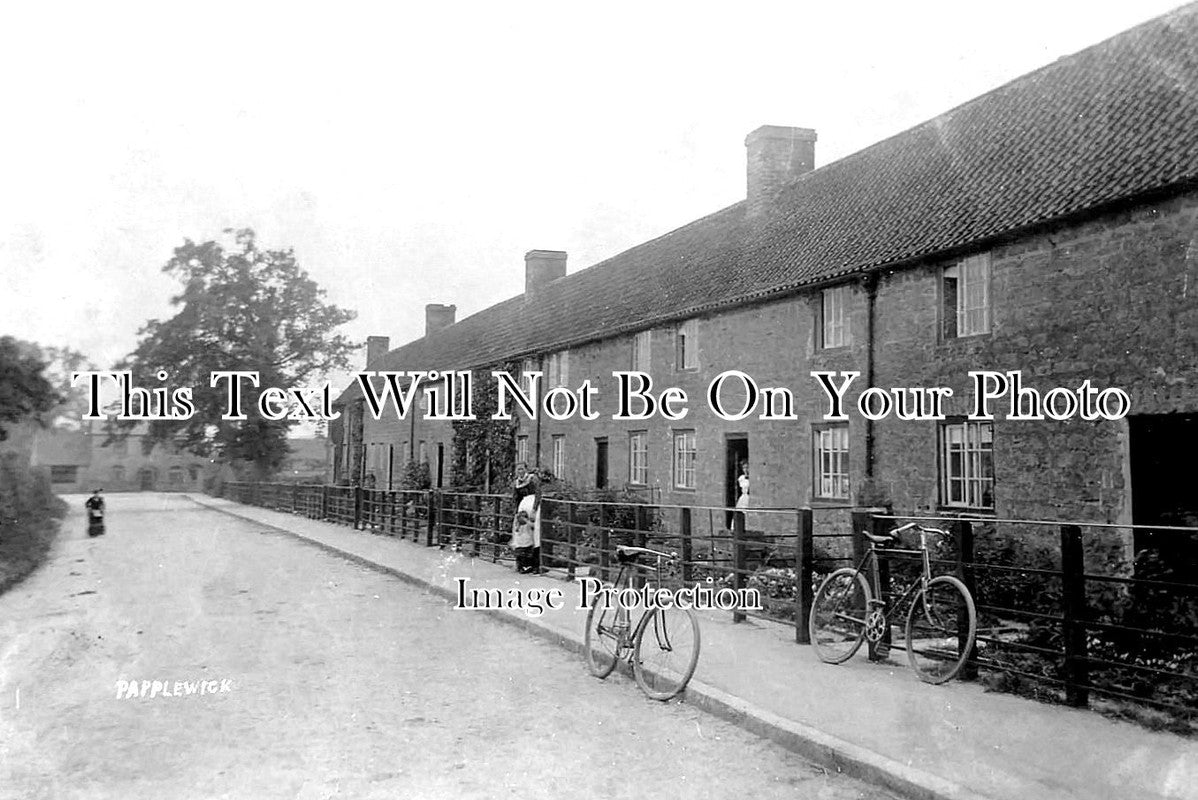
x,y
628,555
891,537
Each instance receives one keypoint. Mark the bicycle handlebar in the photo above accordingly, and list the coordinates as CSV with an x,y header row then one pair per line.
x,y
630,550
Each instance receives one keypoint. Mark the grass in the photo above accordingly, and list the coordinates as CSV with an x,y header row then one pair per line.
x,y
30,516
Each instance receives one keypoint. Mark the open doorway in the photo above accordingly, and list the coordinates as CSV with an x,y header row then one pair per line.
x,y
736,455
1163,485
601,462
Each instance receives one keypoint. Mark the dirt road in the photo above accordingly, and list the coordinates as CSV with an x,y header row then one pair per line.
x,y
286,672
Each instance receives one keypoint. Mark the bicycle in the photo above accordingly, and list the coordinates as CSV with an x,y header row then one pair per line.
x,y
662,648
941,621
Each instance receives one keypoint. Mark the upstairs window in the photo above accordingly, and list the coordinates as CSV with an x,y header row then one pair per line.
x,y
686,343
834,318
640,351
967,297
522,449
63,473
557,369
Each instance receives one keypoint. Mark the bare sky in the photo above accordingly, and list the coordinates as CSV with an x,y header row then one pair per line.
x,y
413,154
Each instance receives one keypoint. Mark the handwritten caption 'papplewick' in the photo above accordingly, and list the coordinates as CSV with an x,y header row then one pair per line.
x,y
732,395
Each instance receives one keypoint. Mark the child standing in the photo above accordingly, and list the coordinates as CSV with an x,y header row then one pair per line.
x,y
523,542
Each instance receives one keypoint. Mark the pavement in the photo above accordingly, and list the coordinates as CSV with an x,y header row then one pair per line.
x,y
875,722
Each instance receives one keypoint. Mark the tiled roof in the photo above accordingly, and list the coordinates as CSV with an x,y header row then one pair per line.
x,y
1115,121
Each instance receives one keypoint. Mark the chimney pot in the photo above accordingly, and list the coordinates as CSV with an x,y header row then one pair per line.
x,y
540,268
437,317
777,155
376,347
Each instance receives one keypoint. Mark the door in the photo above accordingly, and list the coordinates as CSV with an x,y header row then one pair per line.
x,y
601,463
1162,448
440,465
736,454
146,480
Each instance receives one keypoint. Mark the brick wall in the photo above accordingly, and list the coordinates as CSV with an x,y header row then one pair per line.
x,y
1111,300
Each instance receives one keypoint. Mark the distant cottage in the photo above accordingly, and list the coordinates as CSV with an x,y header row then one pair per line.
x,y
1049,226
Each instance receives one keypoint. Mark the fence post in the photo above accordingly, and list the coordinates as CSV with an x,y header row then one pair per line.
x,y
738,560
604,554
1073,585
572,538
324,502
476,525
880,650
684,530
432,518
496,522
860,520
357,506
962,531
642,526
604,543
804,556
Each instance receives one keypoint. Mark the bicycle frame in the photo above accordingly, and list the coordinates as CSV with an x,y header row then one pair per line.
x,y
624,626
891,607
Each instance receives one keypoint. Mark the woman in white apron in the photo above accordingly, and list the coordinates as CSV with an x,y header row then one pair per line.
x,y
527,490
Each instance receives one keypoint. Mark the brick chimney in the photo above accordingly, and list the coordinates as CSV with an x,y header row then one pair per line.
x,y
437,316
541,267
776,156
376,347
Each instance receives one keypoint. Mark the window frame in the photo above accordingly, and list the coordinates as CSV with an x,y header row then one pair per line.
x,y
680,469
838,298
58,473
642,353
969,299
817,462
557,369
686,341
641,438
972,459
558,452
522,449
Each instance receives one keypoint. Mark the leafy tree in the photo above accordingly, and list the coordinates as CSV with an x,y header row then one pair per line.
x,y
61,364
484,450
25,392
245,309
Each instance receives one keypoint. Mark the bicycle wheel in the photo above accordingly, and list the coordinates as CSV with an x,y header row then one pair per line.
x,y
837,622
665,651
941,626
605,627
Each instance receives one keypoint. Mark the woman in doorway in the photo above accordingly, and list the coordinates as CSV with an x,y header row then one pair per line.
x,y
527,490
742,484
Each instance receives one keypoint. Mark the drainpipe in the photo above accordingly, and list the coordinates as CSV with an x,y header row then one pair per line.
x,y
870,284
540,412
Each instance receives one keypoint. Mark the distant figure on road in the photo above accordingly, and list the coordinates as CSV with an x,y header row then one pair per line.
x,y
95,513
527,490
